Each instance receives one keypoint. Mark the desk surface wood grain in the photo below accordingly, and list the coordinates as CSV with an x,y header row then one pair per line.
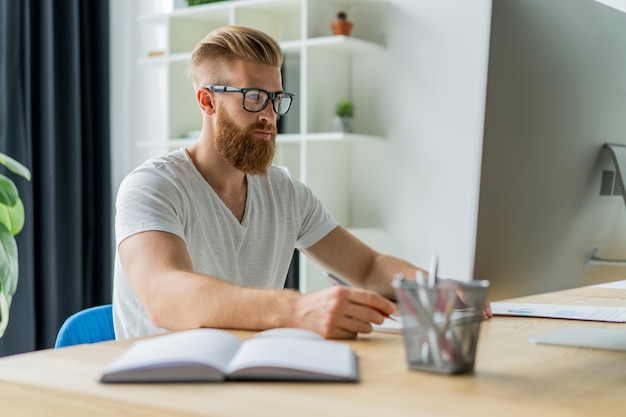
x,y
512,378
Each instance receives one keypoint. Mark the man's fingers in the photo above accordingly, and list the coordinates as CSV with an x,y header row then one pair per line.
x,y
368,299
341,312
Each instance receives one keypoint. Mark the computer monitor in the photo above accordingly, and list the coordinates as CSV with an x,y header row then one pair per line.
x,y
550,194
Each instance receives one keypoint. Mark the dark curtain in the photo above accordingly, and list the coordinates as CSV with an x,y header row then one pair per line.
x,y
54,118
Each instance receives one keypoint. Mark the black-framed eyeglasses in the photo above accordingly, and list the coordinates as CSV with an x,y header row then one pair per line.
x,y
255,99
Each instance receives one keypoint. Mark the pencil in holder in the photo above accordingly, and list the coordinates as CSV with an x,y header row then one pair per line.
x,y
441,323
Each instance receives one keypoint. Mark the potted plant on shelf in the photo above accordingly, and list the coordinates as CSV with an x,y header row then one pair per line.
x,y
11,223
198,2
344,112
341,26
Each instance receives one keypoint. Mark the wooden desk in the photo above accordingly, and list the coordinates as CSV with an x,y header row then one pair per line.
x,y
512,378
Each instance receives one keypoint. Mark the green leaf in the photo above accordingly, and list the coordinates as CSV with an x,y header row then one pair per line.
x,y
13,217
198,2
8,262
8,191
345,109
5,304
14,166
11,223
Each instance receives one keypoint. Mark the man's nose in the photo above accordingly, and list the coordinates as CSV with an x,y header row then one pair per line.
x,y
268,115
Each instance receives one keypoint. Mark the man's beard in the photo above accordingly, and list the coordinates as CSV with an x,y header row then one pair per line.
x,y
241,148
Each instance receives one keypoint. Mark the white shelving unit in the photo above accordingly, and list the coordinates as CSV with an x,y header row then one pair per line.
x,y
321,69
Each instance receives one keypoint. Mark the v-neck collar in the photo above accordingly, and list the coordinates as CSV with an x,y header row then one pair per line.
x,y
247,206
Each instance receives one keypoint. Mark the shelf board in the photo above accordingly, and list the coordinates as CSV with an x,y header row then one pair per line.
x,y
344,44
220,10
353,2
201,12
290,138
325,137
340,43
165,59
181,142
291,46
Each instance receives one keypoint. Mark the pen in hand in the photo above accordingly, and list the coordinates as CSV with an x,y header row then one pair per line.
x,y
339,281
336,280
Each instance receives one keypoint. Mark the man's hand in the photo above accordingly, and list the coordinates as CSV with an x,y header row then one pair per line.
x,y
340,312
487,313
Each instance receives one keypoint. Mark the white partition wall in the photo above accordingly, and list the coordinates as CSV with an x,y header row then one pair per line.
x,y
435,95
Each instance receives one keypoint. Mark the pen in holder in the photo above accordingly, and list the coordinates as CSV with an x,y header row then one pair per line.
x,y
441,323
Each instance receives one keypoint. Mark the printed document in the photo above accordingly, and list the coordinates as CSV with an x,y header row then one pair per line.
x,y
555,311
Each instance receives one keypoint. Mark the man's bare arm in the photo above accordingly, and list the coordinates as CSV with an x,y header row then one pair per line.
x,y
344,254
160,271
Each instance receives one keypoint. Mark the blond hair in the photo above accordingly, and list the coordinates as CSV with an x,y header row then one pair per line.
x,y
229,43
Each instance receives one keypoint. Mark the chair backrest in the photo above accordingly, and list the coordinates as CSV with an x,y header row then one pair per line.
x,y
91,325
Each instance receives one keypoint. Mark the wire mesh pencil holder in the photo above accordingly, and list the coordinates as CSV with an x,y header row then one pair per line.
x,y
441,323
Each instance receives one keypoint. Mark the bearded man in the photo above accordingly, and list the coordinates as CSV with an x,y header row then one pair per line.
x,y
205,235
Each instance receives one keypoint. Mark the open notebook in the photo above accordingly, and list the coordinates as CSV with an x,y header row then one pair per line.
x,y
214,355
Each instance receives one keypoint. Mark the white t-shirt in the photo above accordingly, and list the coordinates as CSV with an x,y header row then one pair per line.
x,y
169,194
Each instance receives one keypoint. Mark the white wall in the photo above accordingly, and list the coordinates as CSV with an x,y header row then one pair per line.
x,y
437,70
133,88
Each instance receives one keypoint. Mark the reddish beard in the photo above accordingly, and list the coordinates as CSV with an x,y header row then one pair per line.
x,y
241,148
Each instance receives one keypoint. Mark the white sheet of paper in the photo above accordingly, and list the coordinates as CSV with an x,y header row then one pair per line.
x,y
389,325
616,285
556,311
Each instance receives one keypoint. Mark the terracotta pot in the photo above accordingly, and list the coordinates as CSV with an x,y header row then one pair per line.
x,y
341,27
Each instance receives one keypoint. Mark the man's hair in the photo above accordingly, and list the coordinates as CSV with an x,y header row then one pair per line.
x,y
229,43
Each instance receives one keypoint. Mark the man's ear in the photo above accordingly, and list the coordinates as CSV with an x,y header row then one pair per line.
x,y
205,100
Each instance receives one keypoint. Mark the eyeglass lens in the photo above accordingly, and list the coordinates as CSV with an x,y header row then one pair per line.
x,y
256,100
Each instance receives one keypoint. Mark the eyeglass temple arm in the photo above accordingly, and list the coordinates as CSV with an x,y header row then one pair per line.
x,y
222,89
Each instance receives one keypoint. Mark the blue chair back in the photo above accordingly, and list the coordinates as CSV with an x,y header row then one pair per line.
x,y
91,325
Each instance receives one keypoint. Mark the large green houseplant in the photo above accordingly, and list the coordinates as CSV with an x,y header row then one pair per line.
x,y
11,223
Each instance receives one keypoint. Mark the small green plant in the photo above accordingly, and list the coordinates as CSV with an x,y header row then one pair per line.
x,y
11,223
198,2
345,109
